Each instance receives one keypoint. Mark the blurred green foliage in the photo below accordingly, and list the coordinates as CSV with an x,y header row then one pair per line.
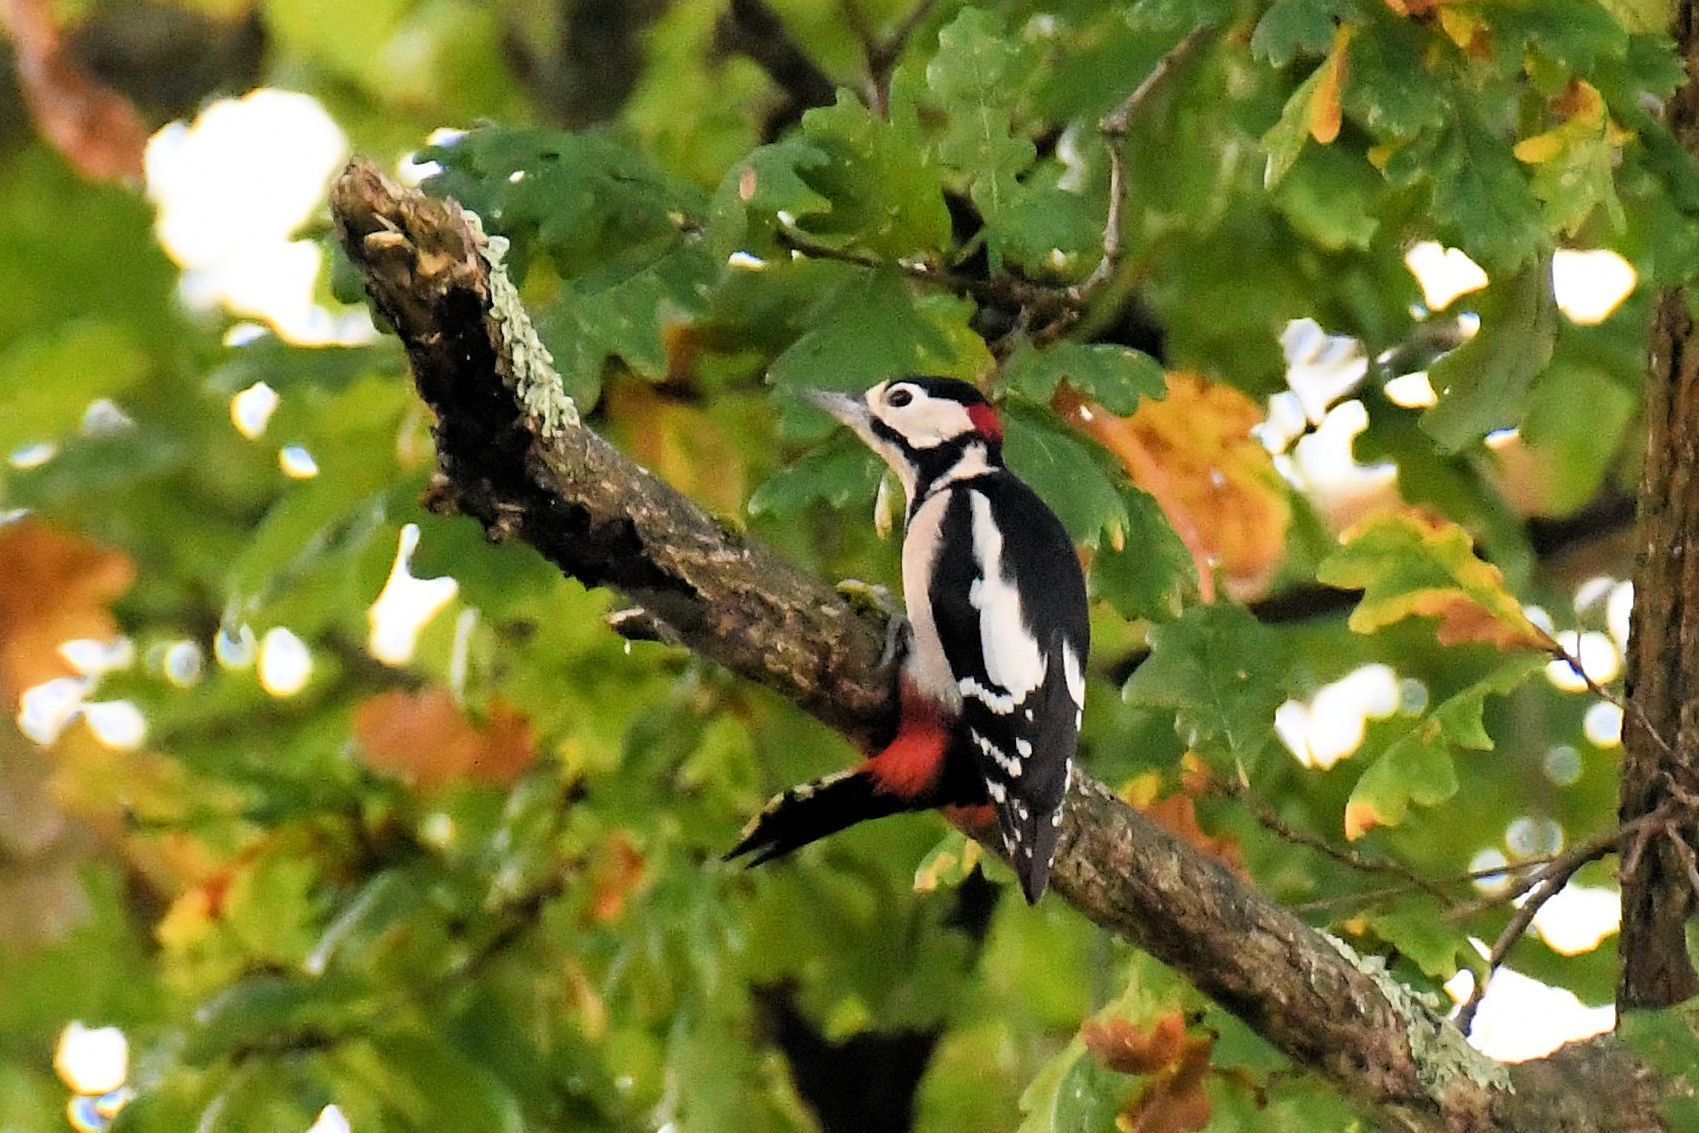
x,y
542,936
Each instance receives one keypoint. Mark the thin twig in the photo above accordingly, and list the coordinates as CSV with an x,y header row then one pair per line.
x,y
1269,819
1114,126
882,60
754,29
1562,865
1501,948
1541,887
1626,707
1007,291
1636,850
1372,896
1685,853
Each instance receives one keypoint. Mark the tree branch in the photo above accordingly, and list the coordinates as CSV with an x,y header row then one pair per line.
x,y
1114,126
554,484
754,29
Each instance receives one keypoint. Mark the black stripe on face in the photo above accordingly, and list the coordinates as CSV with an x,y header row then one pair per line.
x,y
889,435
946,389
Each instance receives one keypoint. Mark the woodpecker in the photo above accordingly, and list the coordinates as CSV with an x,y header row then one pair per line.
x,y
991,685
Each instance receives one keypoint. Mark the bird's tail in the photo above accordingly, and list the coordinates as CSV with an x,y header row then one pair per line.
x,y
810,812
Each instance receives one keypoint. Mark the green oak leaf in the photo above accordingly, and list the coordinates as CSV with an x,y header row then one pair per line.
x,y
1433,945
1293,27
1419,767
1483,383
1113,376
885,191
622,313
1151,574
1482,195
1223,674
867,329
975,77
1064,471
838,472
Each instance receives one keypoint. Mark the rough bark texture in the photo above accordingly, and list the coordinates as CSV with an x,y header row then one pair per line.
x,y
1663,656
607,522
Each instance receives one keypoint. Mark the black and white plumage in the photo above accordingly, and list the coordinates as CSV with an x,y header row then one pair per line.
x,y
993,681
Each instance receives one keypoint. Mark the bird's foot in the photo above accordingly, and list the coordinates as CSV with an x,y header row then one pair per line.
x,y
871,598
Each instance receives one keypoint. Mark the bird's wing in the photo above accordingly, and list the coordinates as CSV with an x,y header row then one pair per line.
x,y
1009,602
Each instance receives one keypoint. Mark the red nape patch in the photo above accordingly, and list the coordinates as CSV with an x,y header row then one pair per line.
x,y
985,419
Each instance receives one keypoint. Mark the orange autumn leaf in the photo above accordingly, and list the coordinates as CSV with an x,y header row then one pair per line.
x,y
1194,453
1360,818
1178,813
617,876
1176,1102
1124,1047
1200,434
426,740
54,587
98,130
1461,622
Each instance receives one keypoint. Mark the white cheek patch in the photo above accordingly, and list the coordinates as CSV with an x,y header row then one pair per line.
x,y
927,422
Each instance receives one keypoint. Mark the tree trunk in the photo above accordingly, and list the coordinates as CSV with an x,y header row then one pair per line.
x,y
1660,733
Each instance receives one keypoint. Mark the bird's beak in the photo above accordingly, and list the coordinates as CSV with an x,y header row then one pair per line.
x,y
852,411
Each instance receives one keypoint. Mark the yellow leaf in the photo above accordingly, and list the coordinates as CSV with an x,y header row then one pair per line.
x,y
187,922
1540,148
1409,564
1142,790
1462,26
1581,102
1326,115
1360,818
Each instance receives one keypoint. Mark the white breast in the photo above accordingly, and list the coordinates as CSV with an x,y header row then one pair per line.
x,y
926,667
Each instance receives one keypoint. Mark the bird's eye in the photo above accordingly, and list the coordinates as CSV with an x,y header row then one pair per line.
x,y
898,397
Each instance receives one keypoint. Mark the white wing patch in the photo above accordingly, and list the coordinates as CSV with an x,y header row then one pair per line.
x,y
999,703
1014,660
1071,673
1011,767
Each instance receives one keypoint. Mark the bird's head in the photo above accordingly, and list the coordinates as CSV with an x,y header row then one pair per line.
x,y
923,427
